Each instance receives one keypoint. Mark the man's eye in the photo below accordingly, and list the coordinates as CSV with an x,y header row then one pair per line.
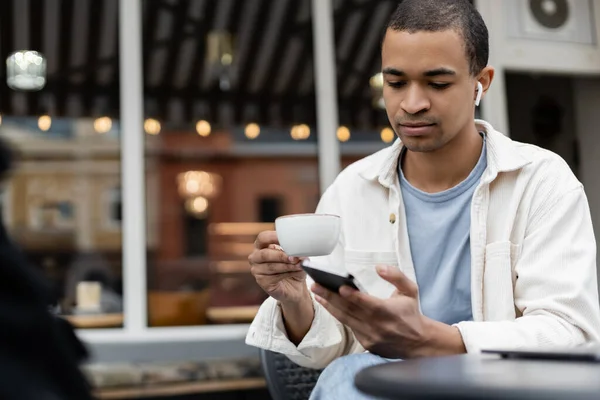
x,y
439,86
396,84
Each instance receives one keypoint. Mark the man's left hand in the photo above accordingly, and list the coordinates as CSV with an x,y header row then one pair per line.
x,y
393,327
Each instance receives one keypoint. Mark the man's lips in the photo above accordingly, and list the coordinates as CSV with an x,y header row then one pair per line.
x,y
415,129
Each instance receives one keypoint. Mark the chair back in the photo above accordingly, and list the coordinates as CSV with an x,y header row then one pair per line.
x,y
285,379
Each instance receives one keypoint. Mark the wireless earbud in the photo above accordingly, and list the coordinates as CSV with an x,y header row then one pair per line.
x,y
479,93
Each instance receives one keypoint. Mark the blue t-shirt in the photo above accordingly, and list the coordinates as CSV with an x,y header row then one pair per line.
x,y
439,232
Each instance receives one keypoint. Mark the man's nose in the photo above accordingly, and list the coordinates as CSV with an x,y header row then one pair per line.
x,y
415,100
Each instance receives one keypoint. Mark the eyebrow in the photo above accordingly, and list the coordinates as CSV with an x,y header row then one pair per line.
x,y
430,73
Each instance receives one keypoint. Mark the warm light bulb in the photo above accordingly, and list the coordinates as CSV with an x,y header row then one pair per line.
x,y
252,131
300,132
102,124
203,128
152,126
343,134
376,81
197,205
294,132
44,123
387,135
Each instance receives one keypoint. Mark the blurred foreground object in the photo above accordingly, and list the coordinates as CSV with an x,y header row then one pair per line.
x,y
39,352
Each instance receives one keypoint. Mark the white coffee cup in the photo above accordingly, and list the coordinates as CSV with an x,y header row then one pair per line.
x,y
308,235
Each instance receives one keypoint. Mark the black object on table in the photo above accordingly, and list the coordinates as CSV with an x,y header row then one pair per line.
x,y
481,377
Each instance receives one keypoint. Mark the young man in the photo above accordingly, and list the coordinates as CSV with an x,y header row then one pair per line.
x,y
463,239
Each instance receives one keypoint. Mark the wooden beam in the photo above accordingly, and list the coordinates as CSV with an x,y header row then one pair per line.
x,y
176,37
346,68
201,31
97,9
36,32
247,69
6,47
373,65
284,38
148,29
64,52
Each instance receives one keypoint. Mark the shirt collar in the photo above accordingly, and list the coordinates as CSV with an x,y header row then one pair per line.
x,y
503,155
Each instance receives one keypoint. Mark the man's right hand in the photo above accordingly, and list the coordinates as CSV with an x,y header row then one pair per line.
x,y
277,274
283,278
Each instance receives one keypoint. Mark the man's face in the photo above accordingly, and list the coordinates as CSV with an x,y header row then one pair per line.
x,y
428,89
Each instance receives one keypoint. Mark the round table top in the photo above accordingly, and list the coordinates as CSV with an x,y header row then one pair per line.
x,y
482,377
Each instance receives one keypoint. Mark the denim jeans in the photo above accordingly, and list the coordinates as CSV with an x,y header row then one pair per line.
x,y
337,379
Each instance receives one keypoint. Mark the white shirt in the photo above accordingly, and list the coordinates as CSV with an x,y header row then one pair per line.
x,y
533,254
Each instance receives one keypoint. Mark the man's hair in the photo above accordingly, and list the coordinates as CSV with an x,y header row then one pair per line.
x,y
440,15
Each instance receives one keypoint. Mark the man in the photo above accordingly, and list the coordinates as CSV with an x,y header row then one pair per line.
x,y
463,239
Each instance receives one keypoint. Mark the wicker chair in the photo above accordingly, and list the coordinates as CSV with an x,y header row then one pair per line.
x,y
286,380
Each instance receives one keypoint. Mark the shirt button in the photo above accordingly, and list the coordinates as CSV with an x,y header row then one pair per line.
x,y
392,218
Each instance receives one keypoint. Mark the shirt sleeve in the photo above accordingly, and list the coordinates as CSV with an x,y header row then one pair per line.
x,y
556,290
327,338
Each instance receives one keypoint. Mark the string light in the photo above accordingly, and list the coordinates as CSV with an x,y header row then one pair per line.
x,y
343,134
252,131
387,135
203,128
102,124
152,126
44,122
300,132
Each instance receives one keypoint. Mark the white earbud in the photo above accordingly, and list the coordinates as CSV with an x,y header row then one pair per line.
x,y
479,93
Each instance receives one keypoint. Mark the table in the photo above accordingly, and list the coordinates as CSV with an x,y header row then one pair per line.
x,y
231,315
182,388
95,320
481,377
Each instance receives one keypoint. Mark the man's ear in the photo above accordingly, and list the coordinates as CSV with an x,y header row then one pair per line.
x,y
485,78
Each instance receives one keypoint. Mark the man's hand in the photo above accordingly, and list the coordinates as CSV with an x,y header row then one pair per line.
x,y
283,278
393,327
280,276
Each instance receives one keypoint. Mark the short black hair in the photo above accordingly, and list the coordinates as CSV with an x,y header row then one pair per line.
x,y
439,15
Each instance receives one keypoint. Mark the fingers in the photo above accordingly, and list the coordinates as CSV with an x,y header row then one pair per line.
x,y
266,280
265,256
266,238
337,301
402,283
361,300
274,268
348,319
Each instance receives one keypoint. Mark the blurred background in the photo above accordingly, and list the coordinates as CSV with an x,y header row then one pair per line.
x,y
221,116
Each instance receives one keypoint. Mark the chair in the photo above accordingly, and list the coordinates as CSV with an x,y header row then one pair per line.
x,y
285,379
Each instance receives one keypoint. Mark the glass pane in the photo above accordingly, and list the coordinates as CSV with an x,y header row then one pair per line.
x,y
60,114
230,145
358,27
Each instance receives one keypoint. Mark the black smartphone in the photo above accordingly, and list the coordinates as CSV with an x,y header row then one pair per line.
x,y
328,280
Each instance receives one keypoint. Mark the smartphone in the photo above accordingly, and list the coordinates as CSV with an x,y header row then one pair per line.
x,y
328,280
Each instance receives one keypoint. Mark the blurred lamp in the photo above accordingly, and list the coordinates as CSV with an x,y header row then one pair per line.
x,y
203,128
343,134
376,84
197,206
152,126
252,131
300,132
102,124
26,70
44,123
387,135
192,184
